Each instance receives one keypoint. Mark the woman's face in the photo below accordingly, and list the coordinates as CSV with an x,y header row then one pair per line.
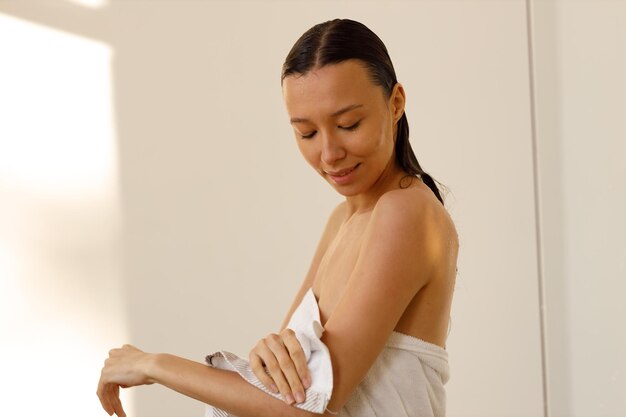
x,y
344,126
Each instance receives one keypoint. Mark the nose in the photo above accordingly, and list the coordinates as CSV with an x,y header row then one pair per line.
x,y
332,150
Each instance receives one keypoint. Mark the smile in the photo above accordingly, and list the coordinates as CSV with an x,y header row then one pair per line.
x,y
343,176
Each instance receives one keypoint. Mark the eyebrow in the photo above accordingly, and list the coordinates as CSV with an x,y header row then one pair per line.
x,y
337,113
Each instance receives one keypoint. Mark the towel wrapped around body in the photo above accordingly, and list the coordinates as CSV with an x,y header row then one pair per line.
x,y
406,380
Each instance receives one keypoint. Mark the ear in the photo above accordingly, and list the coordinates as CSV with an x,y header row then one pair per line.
x,y
397,101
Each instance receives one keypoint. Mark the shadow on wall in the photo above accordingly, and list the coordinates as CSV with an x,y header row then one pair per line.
x,y
549,153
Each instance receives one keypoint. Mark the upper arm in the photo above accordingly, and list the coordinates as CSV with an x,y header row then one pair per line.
x,y
330,230
401,248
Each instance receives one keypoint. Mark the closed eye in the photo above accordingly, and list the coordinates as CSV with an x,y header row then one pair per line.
x,y
354,126
350,128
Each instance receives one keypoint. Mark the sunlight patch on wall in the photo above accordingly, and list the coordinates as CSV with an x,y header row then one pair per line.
x,y
61,289
94,4
55,101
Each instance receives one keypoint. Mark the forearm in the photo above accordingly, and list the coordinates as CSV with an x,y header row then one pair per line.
x,y
221,388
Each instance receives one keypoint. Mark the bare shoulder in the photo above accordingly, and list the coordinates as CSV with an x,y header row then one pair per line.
x,y
339,212
412,206
416,211
336,217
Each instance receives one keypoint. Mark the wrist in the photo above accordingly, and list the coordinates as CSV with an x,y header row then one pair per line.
x,y
150,365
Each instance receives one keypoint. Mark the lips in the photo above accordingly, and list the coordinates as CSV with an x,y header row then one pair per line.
x,y
342,172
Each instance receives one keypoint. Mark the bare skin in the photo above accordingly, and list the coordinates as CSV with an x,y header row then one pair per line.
x,y
387,249
427,315
311,101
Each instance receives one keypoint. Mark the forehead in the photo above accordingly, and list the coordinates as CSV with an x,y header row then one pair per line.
x,y
322,91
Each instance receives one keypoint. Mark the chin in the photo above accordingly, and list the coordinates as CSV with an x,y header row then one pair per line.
x,y
346,191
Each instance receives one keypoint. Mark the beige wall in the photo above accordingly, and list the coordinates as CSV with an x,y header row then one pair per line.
x,y
148,171
580,62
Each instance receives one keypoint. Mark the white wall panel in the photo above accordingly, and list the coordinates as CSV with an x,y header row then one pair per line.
x,y
580,67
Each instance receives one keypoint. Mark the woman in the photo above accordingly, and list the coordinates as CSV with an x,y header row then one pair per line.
x,y
384,270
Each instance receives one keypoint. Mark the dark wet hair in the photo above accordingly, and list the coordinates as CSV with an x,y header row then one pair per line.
x,y
338,40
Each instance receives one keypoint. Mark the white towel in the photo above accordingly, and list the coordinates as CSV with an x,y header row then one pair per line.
x,y
305,322
406,379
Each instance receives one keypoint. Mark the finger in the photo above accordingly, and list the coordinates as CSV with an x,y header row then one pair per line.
x,y
106,404
287,367
115,400
110,398
272,365
297,356
256,364
103,397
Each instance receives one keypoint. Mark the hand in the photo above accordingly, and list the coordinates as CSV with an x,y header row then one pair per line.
x,y
125,367
284,358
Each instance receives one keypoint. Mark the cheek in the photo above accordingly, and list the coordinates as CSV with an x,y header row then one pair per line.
x,y
372,141
309,152
387,135
388,129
